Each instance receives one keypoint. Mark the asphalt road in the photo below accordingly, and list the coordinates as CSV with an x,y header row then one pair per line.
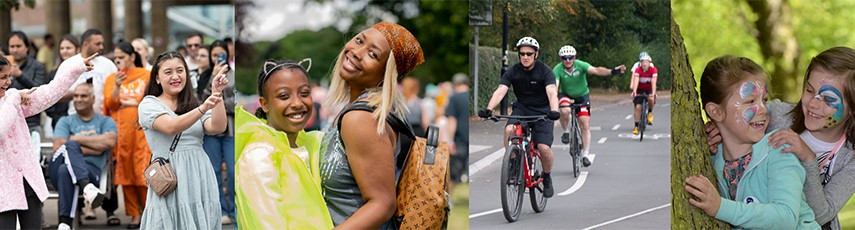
x,y
626,187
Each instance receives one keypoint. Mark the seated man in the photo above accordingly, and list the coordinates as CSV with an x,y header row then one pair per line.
x,y
84,141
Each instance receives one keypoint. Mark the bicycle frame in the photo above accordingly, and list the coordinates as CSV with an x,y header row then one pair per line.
x,y
520,132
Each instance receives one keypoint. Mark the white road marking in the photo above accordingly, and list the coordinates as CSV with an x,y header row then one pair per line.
x,y
628,117
613,128
627,217
485,213
486,161
602,140
576,186
477,148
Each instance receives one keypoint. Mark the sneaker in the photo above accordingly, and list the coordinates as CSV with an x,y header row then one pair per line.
x,y
650,119
93,195
63,226
565,138
226,220
586,162
635,131
88,211
547,186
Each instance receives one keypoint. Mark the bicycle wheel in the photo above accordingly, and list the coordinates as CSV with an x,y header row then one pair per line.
x,y
538,201
575,147
512,186
642,120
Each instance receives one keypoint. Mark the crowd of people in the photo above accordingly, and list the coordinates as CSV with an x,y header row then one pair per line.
x,y
110,110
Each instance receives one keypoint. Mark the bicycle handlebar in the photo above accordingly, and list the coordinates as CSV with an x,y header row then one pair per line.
x,y
522,119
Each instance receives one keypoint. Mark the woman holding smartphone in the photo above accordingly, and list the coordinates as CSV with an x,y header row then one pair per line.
x,y
221,147
123,92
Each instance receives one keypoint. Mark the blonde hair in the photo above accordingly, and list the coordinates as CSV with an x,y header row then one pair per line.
x,y
384,98
145,45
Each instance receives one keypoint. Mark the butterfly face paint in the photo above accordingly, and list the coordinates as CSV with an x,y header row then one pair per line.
x,y
747,111
834,99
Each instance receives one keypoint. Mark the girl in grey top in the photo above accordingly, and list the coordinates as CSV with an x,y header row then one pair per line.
x,y
171,115
820,130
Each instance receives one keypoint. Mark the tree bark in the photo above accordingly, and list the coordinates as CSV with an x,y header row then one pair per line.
x,y
689,154
778,44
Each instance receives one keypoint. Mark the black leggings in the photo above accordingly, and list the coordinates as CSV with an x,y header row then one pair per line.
x,y
30,218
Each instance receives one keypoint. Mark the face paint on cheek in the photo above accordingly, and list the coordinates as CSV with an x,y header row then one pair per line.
x,y
747,89
749,113
834,99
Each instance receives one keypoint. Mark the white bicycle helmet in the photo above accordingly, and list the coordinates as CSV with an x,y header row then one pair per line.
x,y
567,51
645,57
642,54
528,41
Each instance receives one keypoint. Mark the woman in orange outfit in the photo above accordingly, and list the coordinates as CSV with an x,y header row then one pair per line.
x,y
123,91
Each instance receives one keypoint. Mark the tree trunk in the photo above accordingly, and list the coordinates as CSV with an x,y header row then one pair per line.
x,y
689,156
5,23
776,36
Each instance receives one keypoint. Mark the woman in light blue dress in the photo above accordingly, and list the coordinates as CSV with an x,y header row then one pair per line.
x,y
173,118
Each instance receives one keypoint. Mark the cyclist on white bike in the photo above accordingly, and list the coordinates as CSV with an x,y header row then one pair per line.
x,y
644,82
534,87
571,75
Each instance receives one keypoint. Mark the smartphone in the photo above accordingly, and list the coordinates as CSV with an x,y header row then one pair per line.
x,y
11,59
222,59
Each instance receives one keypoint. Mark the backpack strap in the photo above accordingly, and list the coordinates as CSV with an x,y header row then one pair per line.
x,y
398,125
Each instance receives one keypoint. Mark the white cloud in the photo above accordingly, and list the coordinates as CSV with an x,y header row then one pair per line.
x,y
270,20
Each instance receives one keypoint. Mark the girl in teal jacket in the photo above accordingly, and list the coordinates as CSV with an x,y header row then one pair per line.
x,y
762,188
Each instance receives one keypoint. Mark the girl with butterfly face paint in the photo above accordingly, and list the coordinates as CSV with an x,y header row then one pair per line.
x,y
760,187
821,132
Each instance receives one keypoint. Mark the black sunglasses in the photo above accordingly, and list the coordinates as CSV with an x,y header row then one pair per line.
x,y
526,53
567,58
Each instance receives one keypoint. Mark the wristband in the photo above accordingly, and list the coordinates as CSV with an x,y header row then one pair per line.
x,y
200,110
615,71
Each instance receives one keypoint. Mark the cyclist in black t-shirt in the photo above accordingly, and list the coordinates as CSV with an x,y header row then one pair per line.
x,y
534,87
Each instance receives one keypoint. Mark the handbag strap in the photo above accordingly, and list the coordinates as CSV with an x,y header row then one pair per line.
x,y
174,143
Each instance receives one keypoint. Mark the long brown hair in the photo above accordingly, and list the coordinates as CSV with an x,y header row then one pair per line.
x,y
724,72
839,61
187,97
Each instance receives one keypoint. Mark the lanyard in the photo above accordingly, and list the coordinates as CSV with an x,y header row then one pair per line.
x,y
831,154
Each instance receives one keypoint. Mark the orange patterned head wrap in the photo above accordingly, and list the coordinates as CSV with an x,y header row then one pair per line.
x,y
405,47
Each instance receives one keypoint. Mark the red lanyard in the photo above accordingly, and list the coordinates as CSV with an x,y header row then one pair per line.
x,y
833,151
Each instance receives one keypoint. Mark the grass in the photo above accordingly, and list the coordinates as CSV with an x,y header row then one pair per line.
x,y
459,217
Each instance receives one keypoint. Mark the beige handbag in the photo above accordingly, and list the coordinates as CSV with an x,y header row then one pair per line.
x,y
160,176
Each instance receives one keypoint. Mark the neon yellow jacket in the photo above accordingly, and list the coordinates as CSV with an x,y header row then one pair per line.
x,y
275,189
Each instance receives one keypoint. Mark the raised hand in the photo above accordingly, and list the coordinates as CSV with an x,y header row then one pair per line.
x,y
25,96
219,82
88,61
120,77
622,68
212,101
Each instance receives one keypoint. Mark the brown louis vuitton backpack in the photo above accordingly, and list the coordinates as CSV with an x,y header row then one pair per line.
x,y
422,177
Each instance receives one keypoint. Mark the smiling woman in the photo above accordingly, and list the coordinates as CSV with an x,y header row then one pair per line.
x,y
358,168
